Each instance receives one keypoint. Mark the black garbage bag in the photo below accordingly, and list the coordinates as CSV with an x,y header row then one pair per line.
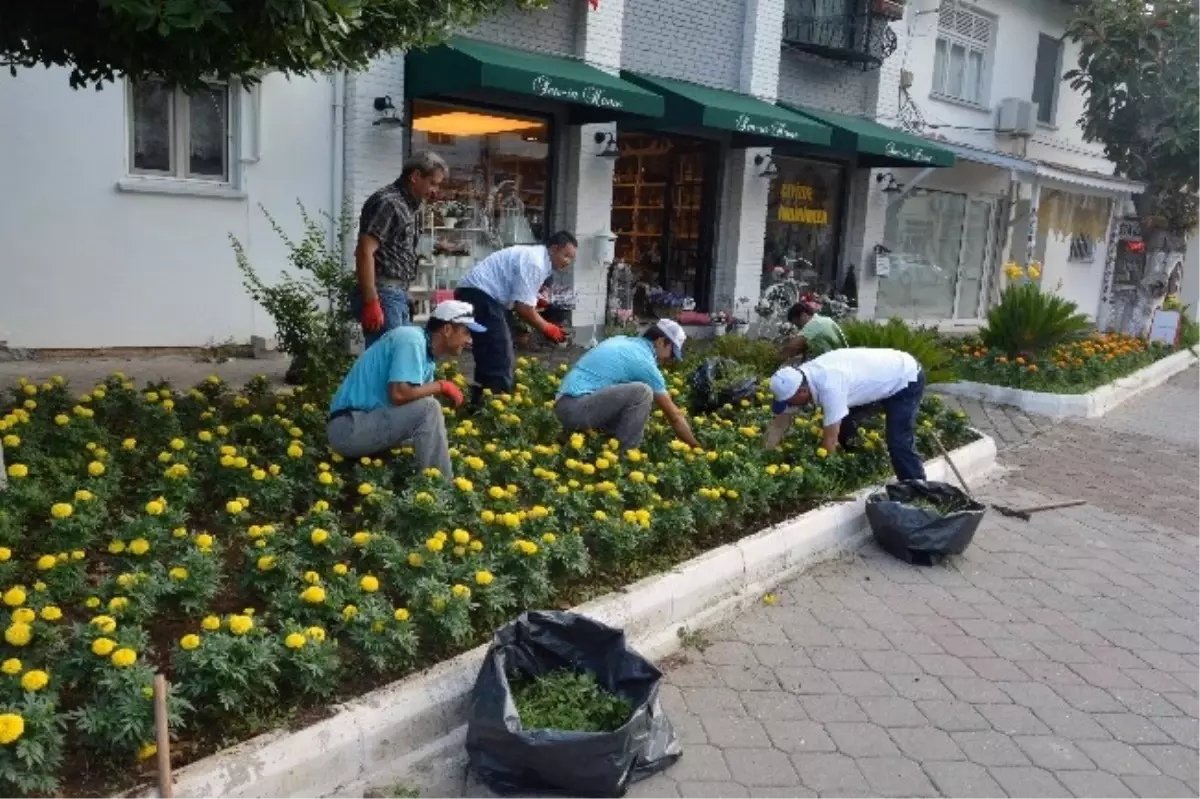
x,y
513,760
919,535
715,383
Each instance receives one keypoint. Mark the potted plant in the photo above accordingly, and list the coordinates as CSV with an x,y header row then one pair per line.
x,y
451,211
719,321
739,322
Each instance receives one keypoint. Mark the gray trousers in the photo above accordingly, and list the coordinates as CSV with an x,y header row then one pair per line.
x,y
419,423
621,411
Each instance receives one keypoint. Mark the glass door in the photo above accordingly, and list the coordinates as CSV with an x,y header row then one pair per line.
x,y
974,267
924,232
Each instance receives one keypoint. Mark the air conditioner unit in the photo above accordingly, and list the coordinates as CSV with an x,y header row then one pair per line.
x,y
1016,117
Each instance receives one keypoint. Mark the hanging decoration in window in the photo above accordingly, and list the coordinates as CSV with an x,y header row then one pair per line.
x,y
1069,215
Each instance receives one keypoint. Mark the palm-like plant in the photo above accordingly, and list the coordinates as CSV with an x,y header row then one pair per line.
x,y
895,334
1029,320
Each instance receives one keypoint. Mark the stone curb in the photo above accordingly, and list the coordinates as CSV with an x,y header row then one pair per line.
x,y
1092,405
416,726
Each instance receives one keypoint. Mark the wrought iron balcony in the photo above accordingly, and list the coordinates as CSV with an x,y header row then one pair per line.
x,y
863,39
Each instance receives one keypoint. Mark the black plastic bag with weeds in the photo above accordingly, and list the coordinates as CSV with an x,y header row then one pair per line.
x,y
510,759
920,521
721,381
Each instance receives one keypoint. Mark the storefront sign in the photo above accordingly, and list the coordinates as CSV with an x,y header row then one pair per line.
x,y
779,130
544,86
909,152
792,197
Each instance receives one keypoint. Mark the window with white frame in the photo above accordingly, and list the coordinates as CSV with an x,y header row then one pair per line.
x,y
962,54
181,135
1046,77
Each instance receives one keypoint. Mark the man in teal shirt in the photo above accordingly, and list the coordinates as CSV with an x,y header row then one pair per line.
x,y
389,397
612,387
818,334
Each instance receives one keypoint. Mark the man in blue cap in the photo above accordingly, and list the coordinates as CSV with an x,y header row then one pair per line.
x,y
614,385
850,383
390,396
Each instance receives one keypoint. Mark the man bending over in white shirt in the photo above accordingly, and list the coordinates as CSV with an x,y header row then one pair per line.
x,y
845,383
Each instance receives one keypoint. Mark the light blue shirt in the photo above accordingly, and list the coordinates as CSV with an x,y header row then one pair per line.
x,y
514,274
401,355
612,362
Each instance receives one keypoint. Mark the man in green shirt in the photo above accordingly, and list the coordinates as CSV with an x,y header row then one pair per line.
x,y
818,334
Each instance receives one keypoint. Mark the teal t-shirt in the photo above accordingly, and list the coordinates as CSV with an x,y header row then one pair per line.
x,y
822,334
401,355
612,362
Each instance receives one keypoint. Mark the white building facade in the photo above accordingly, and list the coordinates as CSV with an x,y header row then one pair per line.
x,y
712,147
118,206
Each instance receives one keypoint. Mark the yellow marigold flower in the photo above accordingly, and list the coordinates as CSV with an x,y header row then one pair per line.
x,y
315,633
319,536
487,516
11,441
350,611
124,657
147,750
369,584
401,614
599,515
18,470
118,603
822,452
92,602
129,444
312,578
155,507
365,489
295,451
484,577
96,469
320,506
233,507
460,591
12,727
204,541
325,478
189,641
23,615
14,597
5,554
34,680
461,536
266,563
295,641
51,613
415,560
61,510
46,562
11,666
139,546
434,544
361,538
105,624
211,623
340,569
313,595
240,624
103,647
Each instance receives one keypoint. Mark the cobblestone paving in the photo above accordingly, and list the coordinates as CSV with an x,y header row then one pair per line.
x,y
1057,657
1009,426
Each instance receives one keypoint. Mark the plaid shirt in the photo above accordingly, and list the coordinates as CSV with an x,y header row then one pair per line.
x,y
390,217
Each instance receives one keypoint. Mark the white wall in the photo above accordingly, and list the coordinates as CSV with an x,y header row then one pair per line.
x,y
84,265
1189,291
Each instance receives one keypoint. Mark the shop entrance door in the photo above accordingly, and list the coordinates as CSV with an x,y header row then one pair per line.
x,y
975,260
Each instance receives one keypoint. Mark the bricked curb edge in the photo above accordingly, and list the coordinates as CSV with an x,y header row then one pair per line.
x,y
417,725
1091,405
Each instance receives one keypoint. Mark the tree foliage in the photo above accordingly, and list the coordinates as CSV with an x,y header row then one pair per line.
x,y
186,41
1138,71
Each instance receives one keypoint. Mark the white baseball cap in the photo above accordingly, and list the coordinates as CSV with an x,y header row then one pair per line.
x,y
784,385
674,332
458,313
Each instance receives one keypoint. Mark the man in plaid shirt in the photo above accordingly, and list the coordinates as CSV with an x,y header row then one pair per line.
x,y
386,256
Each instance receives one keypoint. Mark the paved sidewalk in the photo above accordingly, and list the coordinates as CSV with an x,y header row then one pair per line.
x,y
1056,657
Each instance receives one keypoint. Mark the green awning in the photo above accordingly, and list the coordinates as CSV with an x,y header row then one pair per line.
x,y
881,145
465,65
752,120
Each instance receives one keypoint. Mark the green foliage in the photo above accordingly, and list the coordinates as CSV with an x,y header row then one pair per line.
x,y
564,700
895,334
188,41
761,354
310,307
1029,320
1137,73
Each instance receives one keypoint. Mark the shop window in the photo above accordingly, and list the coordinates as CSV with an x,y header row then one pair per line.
x,y
496,193
943,248
1046,77
180,135
663,216
962,53
804,224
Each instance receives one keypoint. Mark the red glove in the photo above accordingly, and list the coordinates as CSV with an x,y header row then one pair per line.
x,y
451,392
372,315
554,333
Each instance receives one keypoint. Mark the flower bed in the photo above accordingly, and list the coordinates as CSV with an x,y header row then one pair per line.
x,y
211,536
1074,368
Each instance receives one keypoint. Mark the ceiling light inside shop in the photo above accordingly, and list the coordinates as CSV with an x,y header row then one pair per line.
x,y
464,123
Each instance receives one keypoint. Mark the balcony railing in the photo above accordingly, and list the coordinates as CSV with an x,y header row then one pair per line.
x,y
862,39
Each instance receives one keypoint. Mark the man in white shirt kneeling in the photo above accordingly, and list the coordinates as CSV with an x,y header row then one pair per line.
x,y
848,383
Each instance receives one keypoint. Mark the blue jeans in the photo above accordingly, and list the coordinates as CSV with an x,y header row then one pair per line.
x,y
493,350
393,300
900,430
